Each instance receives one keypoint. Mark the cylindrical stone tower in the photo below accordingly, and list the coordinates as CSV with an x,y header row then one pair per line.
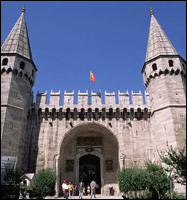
x,y
164,75
17,79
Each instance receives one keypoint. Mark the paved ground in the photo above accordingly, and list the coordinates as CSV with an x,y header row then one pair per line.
x,y
88,197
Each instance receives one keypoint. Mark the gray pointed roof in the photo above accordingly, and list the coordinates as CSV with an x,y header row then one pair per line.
x,y
18,39
158,42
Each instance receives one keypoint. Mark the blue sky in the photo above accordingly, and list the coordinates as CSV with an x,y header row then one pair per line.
x,y
69,38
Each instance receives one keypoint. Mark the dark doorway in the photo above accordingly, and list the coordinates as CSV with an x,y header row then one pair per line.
x,y
89,169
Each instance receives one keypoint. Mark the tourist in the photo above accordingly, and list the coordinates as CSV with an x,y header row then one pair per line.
x,y
81,189
75,189
63,188
70,189
88,190
93,187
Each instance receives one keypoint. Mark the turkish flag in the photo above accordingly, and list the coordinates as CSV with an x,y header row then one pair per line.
x,y
92,77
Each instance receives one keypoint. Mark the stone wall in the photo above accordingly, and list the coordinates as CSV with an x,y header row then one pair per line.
x,y
50,128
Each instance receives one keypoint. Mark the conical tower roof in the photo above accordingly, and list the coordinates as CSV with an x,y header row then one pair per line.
x,y
18,39
158,42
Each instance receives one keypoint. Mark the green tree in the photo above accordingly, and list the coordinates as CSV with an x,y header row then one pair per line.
x,y
175,163
133,180
149,182
43,183
159,180
125,180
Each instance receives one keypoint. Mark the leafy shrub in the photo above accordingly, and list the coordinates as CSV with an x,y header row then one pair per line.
x,y
159,180
133,179
167,195
175,163
179,196
43,184
151,182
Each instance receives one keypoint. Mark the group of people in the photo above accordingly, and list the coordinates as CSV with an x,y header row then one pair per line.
x,y
70,189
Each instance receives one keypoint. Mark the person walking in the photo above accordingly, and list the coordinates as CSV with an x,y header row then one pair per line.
x,y
75,189
63,188
66,188
70,189
93,187
81,189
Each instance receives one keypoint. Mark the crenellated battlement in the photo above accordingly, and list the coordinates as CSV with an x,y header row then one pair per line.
x,y
96,98
82,98
41,99
54,98
90,114
158,73
68,98
96,110
137,98
121,100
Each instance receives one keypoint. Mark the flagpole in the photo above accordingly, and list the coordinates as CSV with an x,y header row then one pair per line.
x,y
89,102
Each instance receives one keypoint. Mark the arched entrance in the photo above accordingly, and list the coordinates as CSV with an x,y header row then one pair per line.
x,y
89,170
90,148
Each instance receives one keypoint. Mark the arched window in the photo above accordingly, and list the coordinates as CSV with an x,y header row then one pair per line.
x,y
15,72
5,61
154,67
3,70
170,63
9,70
22,65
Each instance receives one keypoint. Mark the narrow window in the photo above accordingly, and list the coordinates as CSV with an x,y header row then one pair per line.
x,y
5,61
154,66
32,73
183,66
170,63
22,65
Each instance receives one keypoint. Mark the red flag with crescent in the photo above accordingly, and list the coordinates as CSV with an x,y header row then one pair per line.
x,y
92,77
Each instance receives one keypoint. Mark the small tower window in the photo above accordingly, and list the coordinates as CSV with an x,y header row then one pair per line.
x,y
170,63
32,73
22,65
154,66
5,61
183,66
